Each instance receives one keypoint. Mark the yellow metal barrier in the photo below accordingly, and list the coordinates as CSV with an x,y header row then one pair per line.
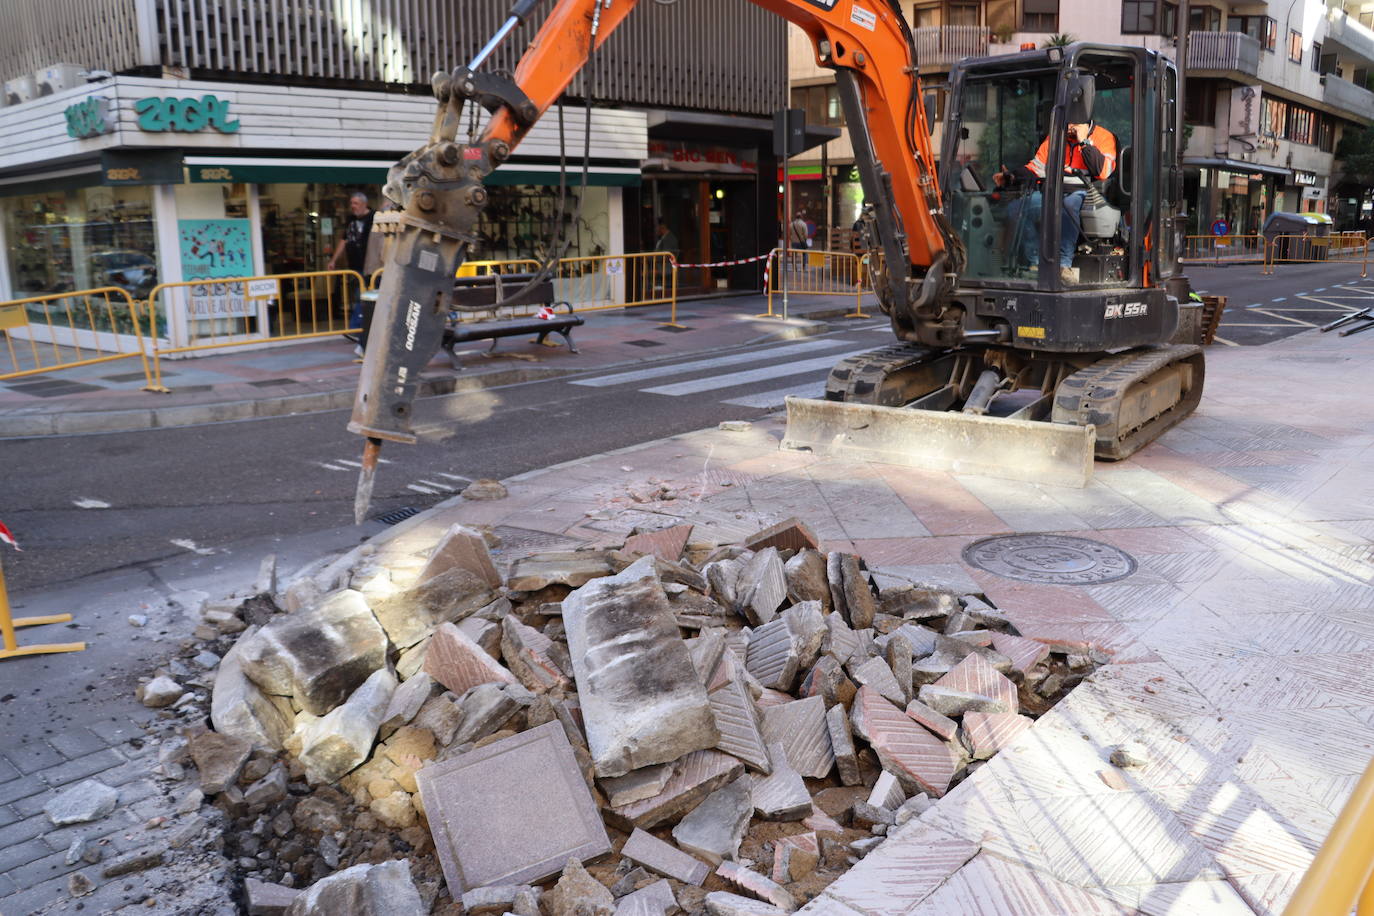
x,y
64,330
1223,249
1340,876
9,644
240,311
816,273
1347,248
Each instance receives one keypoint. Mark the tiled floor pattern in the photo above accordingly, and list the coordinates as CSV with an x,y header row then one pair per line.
x,y
1241,647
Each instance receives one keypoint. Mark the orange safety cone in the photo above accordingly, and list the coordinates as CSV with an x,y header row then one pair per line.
x,y
8,624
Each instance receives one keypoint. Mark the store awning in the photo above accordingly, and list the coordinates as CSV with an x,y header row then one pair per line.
x,y
1236,165
266,169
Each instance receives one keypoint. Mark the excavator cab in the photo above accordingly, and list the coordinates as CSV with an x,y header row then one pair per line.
x,y
1029,226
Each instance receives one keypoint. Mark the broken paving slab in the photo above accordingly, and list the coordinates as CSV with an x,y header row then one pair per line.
x,y
458,663
774,655
694,777
318,656
511,812
740,724
714,829
724,903
465,548
921,761
408,615
86,801
652,900
781,796
533,658
806,579
643,848
842,745
573,568
875,674
976,675
950,702
849,589
989,732
799,726
665,543
789,534
827,680
406,702
754,883
1024,653
642,702
578,894
795,857
341,740
943,726
887,792
762,586
636,785
840,641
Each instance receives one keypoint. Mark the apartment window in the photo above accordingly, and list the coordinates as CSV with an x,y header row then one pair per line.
x,y
963,14
1326,134
1317,57
926,17
1204,19
1302,125
1040,16
1199,103
822,104
1261,28
1139,17
1367,19
1273,118
1295,46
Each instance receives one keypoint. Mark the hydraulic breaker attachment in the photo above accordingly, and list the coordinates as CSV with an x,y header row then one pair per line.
x,y
934,440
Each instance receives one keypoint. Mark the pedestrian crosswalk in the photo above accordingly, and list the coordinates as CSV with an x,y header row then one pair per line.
x,y
813,357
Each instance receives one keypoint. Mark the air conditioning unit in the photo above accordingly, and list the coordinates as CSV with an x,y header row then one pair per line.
x,y
20,90
59,77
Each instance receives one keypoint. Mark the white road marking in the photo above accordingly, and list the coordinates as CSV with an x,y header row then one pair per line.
x,y
417,489
1222,340
749,376
1280,299
777,398
456,477
438,486
188,544
90,504
1283,317
352,464
733,359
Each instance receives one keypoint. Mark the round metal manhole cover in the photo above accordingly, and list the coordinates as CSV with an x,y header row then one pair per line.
x,y
1050,559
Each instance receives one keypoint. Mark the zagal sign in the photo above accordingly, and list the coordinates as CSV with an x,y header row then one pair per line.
x,y
184,115
88,118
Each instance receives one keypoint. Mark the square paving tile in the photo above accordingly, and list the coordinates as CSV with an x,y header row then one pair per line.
x,y
512,812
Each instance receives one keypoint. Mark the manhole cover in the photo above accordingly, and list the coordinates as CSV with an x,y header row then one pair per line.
x,y
1050,558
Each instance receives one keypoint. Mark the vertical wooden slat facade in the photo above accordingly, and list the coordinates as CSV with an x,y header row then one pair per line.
x,y
711,55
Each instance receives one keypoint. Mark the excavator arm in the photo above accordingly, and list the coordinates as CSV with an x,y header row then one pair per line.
x,y
440,193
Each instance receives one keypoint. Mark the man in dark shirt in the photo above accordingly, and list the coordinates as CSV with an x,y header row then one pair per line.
x,y
354,245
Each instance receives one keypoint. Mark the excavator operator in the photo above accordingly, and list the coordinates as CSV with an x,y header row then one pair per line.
x,y
1090,152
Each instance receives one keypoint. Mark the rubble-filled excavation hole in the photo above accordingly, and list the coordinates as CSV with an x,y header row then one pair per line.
x,y
690,721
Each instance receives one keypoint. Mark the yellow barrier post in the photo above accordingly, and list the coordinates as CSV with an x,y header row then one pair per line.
x,y
1340,873
87,329
770,280
8,624
859,289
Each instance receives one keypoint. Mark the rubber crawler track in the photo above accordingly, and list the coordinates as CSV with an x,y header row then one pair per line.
x,y
860,378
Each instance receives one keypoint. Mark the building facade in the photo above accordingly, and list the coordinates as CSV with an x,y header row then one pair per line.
x,y
134,127
1269,91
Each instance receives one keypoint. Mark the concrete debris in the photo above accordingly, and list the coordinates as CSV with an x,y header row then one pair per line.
x,y
840,641
898,653
799,726
265,899
131,864
266,791
876,675
220,759
950,702
636,785
86,801
266,582
806,578
160,692
485,489
78,885
571,568
407,701
850,591
665,543
464,548
734,426
795,857
842,745
752,882
486,633
458,663
721,903
913,807
483,710
920,761
1131,754
774,655
781,796
537,661
578,894
654,900
975,675
887,792
494,898
762,586
363,890
694,777
318,657
943,726
714,829
987,733
661,858
409,615
740,724
827,680
641,700
332,745
790,534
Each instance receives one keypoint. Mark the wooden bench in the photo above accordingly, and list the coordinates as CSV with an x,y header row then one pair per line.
x,y
485,292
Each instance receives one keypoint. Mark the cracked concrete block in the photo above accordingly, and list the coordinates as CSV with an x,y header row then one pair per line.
x,y
795,857
714,829
799,726
341,740
842,744
642,702
363,890
762,586
789,534
827,680
636,785
694,777
512,812
976,675
806,580
408,615
782,795
653,900
662,858
876,674
239,708
537,661
950,702
406,702
988,733
887,792
849,589
740,724
943,726
573,568
320,656
922,762
463,548
483,709
486,633
723,903
458,663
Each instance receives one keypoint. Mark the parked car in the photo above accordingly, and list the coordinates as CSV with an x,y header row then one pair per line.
x,y
132,271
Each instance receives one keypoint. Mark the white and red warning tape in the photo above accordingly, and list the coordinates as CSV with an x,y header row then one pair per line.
x,y
726,263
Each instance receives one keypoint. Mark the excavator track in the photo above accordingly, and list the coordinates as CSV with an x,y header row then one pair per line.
x,y
882,376
1132,398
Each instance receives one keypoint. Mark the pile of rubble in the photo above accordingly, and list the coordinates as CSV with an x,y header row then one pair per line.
x,y
709,729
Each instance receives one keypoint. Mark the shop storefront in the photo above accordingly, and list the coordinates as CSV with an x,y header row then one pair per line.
x,y
1243,194
234,181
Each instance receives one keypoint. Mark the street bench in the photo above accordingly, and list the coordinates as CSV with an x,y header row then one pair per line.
x,y
485,292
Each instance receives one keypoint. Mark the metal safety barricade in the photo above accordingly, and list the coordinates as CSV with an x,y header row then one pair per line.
x,y
1307,249
1341,876
815,273
64,330
246,311
1216,250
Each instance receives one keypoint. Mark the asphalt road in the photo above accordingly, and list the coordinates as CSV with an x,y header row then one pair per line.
x,y
91,505
1297,298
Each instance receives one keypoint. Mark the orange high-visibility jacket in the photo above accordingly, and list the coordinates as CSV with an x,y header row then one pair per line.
x,y
1099,139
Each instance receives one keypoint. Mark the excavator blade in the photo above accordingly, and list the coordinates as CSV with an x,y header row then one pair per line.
x,y
1038,452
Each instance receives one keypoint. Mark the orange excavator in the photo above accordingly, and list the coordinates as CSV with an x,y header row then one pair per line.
x,y
1034,308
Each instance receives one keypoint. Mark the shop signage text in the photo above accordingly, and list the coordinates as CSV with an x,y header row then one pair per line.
x,y
88,118
157,115
1304,178
691,157
219,300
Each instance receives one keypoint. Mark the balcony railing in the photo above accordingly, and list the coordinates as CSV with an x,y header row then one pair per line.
x,y
1350,35
1231,51
1348,97
942,45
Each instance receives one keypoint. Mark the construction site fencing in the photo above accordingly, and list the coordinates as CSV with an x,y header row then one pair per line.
x,y
805,272
247,311
1347,248
1223,249
65,330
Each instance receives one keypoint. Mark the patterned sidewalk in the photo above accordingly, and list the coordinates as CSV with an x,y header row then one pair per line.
x,y
1240,648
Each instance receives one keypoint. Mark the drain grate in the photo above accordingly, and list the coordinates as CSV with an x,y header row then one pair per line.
x,y
397,515
1050,558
